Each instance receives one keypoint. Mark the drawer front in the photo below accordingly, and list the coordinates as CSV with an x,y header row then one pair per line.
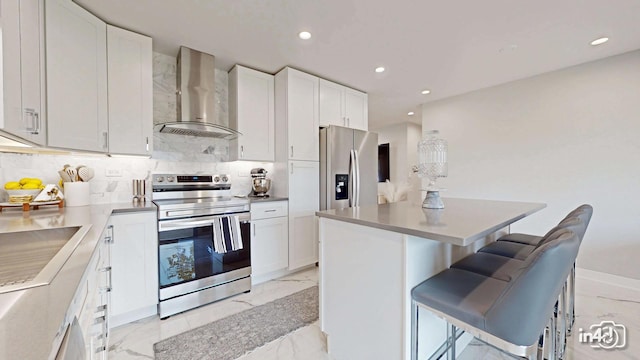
x,y
270,209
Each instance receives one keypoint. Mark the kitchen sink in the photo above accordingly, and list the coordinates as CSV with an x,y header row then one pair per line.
x,y
33,258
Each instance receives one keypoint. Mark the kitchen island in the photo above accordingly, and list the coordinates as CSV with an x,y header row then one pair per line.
x,y
372,256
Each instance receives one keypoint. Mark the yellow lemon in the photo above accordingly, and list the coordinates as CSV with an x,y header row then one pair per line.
x,y
30,186
12,185
24,181
35,181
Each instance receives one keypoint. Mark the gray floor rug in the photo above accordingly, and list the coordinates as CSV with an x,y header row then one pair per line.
x,y
235,335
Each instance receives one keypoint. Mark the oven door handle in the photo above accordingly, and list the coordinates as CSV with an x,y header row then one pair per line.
x,y
184,225
189,224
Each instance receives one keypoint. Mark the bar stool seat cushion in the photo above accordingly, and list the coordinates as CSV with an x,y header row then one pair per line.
x,y
521,238
462,294
491,265
509,249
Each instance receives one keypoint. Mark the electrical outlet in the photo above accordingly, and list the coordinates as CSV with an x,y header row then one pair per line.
x,y
113,173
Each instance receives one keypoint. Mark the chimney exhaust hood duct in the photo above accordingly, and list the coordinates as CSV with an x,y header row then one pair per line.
x,y
196,98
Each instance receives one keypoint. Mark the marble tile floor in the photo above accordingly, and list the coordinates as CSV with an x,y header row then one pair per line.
x,y
595,302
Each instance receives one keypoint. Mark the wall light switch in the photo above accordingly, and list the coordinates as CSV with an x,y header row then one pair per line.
x,y
113,173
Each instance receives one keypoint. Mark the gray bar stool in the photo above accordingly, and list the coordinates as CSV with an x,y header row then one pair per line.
x,y
508,314
518,246
506,268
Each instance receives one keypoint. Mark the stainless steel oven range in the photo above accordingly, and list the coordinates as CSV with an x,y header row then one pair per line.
x,y
204,241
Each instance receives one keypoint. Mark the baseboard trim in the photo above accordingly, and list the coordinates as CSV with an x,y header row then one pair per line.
x,y
607,278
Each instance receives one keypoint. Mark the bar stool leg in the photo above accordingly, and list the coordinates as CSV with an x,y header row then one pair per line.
x,y
414,330
563,322
572,299
451,342
553,337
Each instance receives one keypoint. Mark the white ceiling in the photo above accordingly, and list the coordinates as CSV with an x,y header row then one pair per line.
x,y
449,47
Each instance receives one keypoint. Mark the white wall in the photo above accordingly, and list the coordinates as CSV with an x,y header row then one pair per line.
x,y
563,138
403,141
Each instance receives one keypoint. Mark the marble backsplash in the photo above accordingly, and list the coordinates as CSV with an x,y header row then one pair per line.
x,y
171,153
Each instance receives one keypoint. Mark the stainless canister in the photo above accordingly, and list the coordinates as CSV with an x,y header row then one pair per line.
x,y
139,189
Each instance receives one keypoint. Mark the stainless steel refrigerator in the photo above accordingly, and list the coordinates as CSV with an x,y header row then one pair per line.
x,y
348,168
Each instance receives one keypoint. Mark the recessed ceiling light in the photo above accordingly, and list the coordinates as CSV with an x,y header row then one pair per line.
x,y
379,69
599,41
410,113
425,92
304,35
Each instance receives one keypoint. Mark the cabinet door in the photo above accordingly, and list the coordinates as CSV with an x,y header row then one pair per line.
x,y
22,70
134,263
269,245
331,104
302,116
356,109
303,203
251,99
130,89
76,77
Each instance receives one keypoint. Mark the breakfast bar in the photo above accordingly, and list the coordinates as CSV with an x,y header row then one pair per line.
x,y
372,256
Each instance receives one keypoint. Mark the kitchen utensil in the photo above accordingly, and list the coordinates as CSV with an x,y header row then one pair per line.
x,y
85,173
73,174
64,176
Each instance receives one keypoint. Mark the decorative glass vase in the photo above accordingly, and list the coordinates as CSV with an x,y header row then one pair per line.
x,y
432,157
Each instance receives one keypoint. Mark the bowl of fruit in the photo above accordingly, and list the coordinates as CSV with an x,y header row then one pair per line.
x,y
24,190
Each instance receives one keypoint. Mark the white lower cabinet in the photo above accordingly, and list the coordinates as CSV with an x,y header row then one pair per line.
x,y
93,294
134,260
303,204
269,240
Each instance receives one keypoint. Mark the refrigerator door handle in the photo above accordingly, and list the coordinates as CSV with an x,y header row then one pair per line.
x,y
357,179
352,178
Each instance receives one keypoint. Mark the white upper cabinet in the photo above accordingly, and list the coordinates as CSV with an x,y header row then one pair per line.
x,y
331,104
251,112
130,92
356,109
343,106
297,111
21,83
76,55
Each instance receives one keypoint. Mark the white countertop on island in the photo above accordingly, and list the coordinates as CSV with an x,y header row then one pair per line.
x,y
461,222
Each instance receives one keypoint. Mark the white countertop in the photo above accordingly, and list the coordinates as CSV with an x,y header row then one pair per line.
x,y
30,319
461,222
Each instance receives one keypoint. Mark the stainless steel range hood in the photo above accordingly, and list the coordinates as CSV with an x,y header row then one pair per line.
x,y
196,98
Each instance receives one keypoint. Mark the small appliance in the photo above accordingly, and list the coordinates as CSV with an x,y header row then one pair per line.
x,y
260,185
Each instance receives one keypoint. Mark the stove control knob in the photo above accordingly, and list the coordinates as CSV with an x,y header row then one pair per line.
x,y
216,179
160,179
225,178
170,178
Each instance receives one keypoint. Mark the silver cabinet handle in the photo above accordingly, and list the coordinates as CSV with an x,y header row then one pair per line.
x,y
242,151
291,150
272,210
147,146
254,230
108,238
33,116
